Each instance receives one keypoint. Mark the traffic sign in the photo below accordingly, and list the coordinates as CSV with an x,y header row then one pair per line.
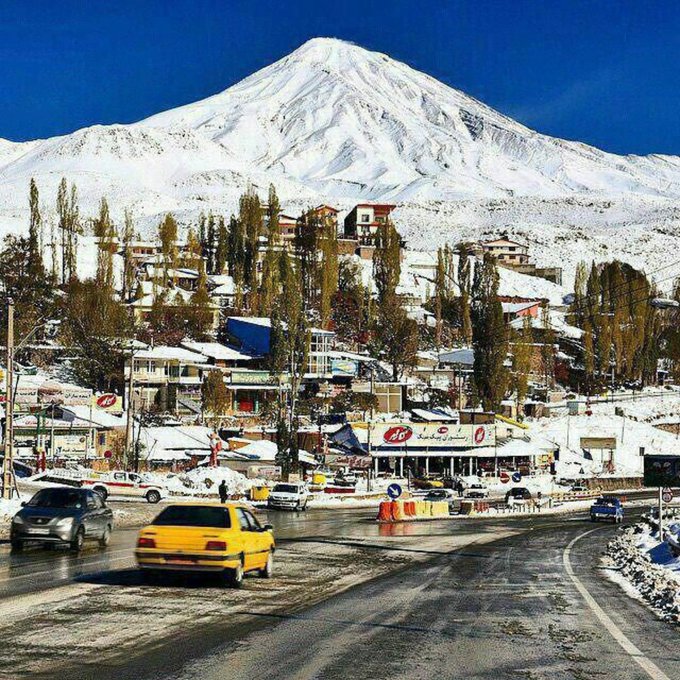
x,y
516,477
667,495
394,491
505,477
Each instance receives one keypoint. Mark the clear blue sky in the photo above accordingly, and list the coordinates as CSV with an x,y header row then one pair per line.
x,y
602,71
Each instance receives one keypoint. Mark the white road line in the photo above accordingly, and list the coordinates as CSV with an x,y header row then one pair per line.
x,y
652,670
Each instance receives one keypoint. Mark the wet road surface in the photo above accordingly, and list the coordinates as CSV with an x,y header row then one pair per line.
x,y
453,599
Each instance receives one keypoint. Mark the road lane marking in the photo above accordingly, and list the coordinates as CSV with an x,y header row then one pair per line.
x,y
647,665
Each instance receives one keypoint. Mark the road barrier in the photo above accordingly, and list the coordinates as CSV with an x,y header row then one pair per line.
x,y
400,511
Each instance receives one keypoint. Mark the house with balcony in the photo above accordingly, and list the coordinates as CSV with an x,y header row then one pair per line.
x,y
168,378
363,221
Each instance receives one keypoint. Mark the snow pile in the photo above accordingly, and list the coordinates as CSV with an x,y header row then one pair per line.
x,y
204,481
9,508
639,555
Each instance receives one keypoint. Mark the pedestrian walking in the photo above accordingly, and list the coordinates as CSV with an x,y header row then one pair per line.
x,y
459,488
222,490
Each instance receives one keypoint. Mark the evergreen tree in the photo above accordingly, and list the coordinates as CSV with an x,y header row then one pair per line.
x,y
489,337
211,239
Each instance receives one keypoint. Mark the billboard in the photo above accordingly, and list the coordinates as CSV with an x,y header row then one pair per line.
x,y
430,437
662,471
344,368
109,402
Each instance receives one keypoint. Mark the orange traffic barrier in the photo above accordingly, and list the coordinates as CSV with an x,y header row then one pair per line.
x,y
398,510
385,511
410,508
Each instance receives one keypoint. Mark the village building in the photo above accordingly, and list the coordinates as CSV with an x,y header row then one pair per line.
x,y
364,220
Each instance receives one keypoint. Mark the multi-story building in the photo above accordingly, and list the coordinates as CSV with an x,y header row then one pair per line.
x,y
364,220
253,334
507,251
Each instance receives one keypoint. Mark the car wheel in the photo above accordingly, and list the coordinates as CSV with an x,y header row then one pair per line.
x,y
593,518
153,496
16,545
268,570
106,537
235,576
101,490
149,577
78,540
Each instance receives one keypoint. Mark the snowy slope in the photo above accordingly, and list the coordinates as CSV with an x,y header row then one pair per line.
x,y
335,122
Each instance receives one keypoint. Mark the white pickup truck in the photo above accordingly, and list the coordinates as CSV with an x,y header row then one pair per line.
x,y
125,484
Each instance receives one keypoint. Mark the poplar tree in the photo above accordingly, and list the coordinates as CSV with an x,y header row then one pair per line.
x,y
105,232
489,335
387,261
128,260
269,289
464,284
522,350
307,233
35,265
328,284
210,244
222,248
199,313
167,235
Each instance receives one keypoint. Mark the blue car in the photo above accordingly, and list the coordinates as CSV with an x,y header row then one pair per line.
x,y
607,507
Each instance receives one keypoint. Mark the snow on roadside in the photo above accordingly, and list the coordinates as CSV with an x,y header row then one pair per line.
x,y
9,508
647,565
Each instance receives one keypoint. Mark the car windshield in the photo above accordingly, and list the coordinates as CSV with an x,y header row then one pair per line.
x,y
607,501
57,498
194,516
285,488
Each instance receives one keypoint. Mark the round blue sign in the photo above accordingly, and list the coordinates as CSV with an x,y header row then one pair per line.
x,y
516,477
394,491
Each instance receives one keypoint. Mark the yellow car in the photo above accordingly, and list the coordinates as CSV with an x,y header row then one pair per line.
x,y
207,537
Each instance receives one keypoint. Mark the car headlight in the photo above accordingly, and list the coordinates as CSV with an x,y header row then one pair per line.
x,y
17,519
64,523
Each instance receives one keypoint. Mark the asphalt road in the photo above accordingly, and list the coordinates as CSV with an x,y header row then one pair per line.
x,y
498,606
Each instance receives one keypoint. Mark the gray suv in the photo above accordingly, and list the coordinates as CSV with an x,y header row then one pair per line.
x,y
62,515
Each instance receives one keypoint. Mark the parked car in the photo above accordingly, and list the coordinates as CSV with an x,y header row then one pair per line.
x,y
476,491
607,507
62,515
518,493
125,484
579,488
207,538
289,496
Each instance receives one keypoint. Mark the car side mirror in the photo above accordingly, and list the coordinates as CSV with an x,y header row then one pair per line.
x,y
267,527
23,504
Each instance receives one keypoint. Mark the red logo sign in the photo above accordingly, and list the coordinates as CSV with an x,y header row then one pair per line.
x,y
443,429
399,434
106,400
505,477
108,454
480,433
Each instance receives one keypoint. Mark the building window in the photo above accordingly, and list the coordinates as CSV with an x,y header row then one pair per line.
x,y
365,218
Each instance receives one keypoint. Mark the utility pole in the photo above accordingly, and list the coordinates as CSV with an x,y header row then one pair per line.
x,y
661,513
128,420
8,479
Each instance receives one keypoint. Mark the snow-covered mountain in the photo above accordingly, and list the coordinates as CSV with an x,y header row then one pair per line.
x,y
335,122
